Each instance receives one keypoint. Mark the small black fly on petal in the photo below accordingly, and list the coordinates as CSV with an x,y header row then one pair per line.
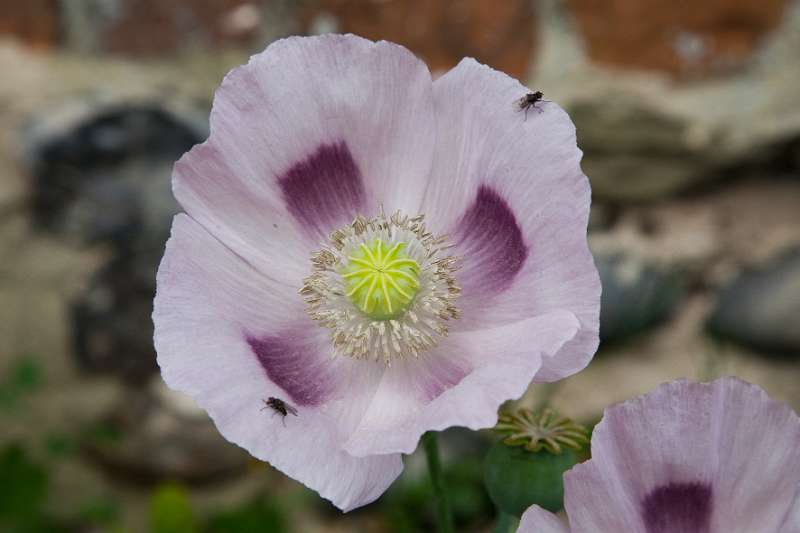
x,y
529,101
280,407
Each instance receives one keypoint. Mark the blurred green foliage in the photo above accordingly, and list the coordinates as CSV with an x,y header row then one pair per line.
x,y
257,515
407,506
23,489
100,510
170,511
23,376
59,445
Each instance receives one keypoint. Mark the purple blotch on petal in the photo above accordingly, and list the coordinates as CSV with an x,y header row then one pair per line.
x,y
325,190
678,507
292,363
491,242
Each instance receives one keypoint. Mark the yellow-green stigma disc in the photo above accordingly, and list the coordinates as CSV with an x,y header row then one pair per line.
x,y
381,279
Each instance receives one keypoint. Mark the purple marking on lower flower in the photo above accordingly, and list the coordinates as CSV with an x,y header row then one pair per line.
x,y
491,241
293,364
324,190
678,507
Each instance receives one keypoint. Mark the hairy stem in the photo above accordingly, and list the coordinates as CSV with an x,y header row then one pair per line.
x,y
444,514
505,523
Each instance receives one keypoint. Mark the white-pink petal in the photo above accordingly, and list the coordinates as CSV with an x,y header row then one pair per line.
x,y
537,520
307,133
208,302
717,457
521,174
461,383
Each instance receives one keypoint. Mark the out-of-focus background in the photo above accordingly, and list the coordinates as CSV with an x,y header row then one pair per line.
x,y
689,117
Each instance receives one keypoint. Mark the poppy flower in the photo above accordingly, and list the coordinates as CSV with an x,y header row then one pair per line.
x,y
384,254
717,457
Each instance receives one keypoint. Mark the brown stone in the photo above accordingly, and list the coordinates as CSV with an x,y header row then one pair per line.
x,y
681,37
442,32
151,27
34,22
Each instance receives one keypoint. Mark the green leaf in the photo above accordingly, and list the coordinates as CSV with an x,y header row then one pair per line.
x,y
254,516
100,510
407,505
170,511
59,445
23,484
23,376
26,374
517,478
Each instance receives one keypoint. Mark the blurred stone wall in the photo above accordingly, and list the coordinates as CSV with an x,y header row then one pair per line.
x,y
685,39
688,114
660,89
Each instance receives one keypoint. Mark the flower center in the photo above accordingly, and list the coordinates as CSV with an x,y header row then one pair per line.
x,y
384,286
381,279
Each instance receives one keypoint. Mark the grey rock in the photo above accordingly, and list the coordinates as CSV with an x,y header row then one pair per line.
x,y
634,151
761,308
146,439
105,177
601,217
112,329
636,296
645,137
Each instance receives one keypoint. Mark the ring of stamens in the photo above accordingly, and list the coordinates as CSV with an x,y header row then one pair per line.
x,y
384,287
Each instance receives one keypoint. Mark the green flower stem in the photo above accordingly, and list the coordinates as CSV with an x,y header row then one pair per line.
x,y
444,513
505,523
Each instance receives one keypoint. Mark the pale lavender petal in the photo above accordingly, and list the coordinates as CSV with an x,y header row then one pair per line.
x,y
718,457
537,520
460,383
758,465
510,191
597,502
243,213
230,337
307,133
791,523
